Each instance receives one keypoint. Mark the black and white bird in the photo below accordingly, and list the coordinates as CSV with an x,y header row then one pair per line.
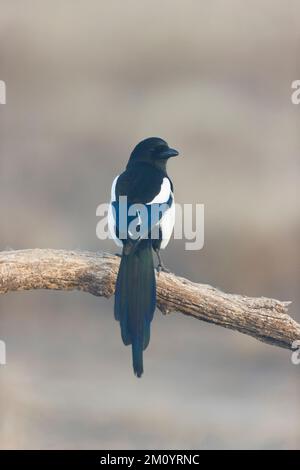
x,y
149,220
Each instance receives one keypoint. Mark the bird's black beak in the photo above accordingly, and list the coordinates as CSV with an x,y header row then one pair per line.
x,y
169,153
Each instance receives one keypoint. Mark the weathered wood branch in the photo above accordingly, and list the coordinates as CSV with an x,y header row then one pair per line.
x,y
263,318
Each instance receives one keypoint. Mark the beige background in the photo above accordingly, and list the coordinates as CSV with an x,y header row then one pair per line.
x,y
86,80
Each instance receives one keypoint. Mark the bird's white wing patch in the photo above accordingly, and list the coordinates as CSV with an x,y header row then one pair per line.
x,y
164,193
111,215
167,224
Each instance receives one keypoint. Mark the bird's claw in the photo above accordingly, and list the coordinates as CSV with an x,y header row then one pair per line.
x,y
162,269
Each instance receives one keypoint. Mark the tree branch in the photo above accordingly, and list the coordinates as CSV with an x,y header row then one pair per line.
x,y
265,319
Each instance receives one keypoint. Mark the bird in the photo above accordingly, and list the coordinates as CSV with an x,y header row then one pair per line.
x,y
149,221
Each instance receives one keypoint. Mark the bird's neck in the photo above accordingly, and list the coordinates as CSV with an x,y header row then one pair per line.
x,y
160,165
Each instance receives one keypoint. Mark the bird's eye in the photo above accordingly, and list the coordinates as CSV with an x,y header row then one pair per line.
x,y
160,148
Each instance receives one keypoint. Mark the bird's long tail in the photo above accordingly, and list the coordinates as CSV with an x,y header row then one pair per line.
x,y
135,300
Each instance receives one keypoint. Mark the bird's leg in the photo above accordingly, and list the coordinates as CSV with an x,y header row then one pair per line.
x,y
160,266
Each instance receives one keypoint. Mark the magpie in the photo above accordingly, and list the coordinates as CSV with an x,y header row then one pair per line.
x,y
147,190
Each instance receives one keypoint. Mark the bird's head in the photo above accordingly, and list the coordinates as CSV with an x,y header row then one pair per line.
x,y
152,150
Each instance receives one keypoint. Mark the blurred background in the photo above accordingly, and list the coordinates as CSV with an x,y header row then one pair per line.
x,y
86,81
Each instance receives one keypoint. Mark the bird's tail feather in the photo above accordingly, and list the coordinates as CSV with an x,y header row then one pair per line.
x,y
135,300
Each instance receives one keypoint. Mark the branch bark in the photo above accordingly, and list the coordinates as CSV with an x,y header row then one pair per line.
x,y
265,319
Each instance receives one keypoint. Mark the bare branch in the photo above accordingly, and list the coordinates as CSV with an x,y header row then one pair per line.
x,y
263,318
